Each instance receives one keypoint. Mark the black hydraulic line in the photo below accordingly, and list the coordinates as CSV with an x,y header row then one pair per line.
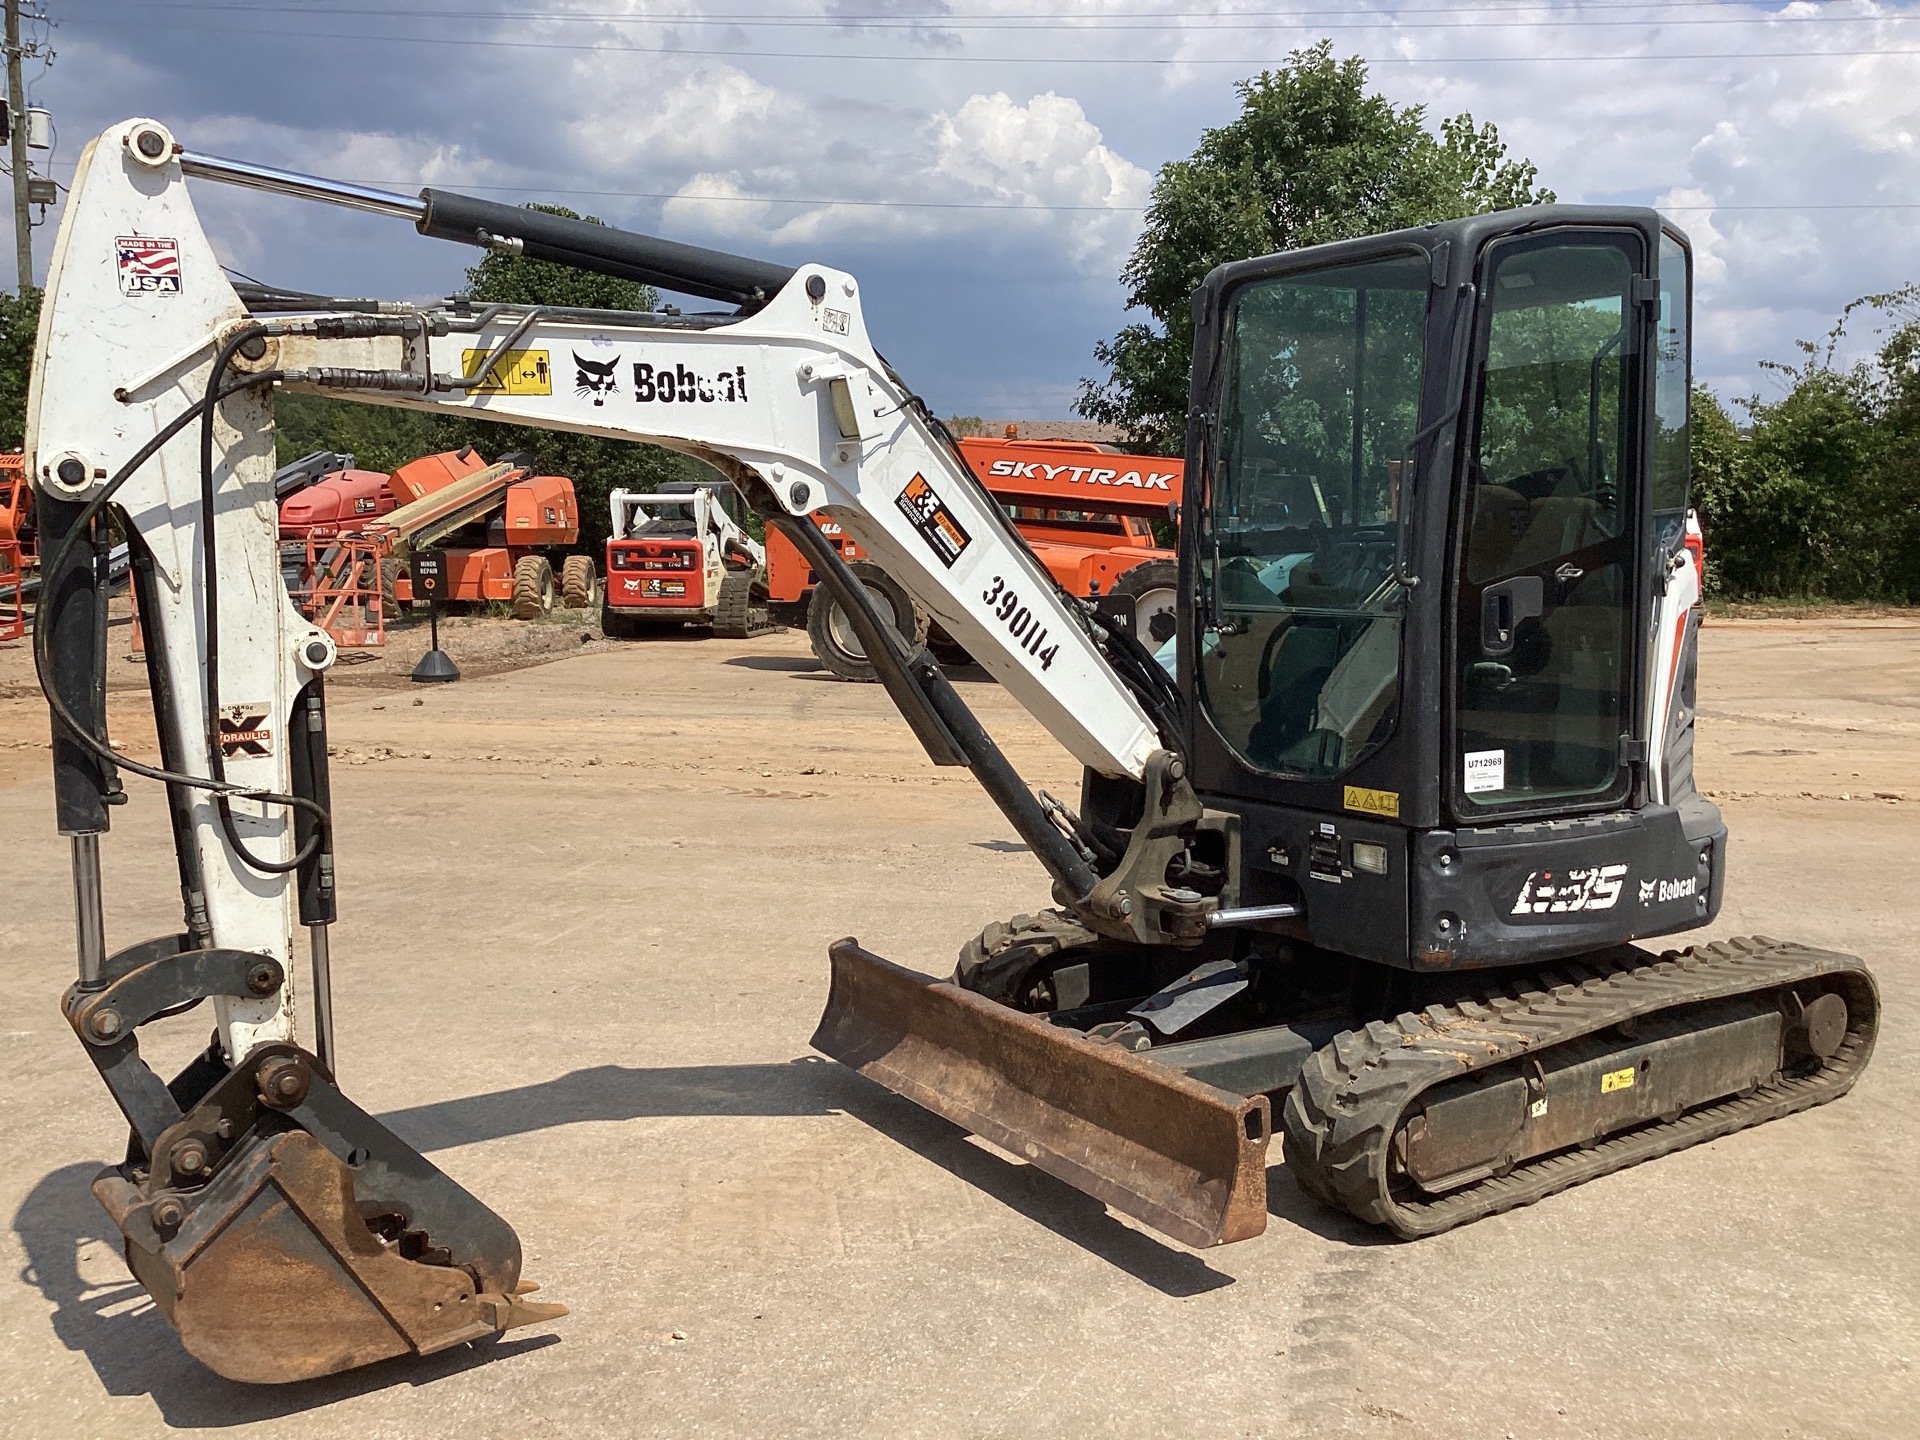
x,y
624,254
307,753
173,749
68,624
950,731
43,664
210,669
885,650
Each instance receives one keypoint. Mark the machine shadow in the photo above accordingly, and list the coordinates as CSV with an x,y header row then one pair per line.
x,y
807,1086
74,1252
70,1244
792,664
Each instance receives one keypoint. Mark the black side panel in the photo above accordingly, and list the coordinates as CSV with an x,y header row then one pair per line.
x,y
73,612
1305,858
1510,894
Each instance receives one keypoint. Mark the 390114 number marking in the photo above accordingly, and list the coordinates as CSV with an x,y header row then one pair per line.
x,y
1028,634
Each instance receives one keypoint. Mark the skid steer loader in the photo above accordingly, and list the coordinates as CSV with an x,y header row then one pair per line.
x,y
1378,851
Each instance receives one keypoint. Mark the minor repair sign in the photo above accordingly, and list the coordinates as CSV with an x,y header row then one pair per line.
x,y
1486,770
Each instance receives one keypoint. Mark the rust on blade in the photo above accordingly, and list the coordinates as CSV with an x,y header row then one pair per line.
x,y
1183,1156
274,1276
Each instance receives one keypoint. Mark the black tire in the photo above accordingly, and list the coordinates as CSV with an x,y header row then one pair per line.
x,y
577,582
616,626
533,591
1004,960
1154,589
834,643
390,572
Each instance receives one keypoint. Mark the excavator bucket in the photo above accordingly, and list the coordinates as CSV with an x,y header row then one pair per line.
x,y
316,1241
1185,1157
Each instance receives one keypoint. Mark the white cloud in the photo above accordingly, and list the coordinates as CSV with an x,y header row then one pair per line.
x,y
953,121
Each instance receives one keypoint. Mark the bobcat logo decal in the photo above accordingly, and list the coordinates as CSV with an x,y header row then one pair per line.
x,y
594,377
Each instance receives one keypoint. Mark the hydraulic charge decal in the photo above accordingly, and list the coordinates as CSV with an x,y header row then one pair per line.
x,y
677,385
149,264
243,731
1556,892
933,520
518,372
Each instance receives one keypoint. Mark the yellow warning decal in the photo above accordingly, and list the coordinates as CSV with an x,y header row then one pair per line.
x,y
1374,802
518,372
1616,1080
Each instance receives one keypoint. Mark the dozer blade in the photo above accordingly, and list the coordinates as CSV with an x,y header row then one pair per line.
x,y
1180,1155
290,1262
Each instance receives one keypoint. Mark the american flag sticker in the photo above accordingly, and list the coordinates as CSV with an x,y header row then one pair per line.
x,y
149,264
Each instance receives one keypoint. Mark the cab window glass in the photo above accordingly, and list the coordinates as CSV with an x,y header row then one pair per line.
x,y
1544,620
1299,664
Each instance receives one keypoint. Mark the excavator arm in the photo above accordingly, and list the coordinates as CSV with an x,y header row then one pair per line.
x,y
282,1229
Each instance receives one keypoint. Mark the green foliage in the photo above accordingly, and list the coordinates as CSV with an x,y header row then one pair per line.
x,y
19,318
1819,496
1312,157
382,438
377,437
966,425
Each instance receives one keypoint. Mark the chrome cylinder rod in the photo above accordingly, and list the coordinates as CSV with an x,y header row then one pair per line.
x,y
306,187
1252,915
322,998
89,923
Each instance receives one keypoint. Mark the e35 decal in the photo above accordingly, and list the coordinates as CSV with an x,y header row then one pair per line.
x,y
1558,892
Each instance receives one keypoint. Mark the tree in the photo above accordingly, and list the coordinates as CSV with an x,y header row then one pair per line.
x,y
1819,497
19,319
1312,157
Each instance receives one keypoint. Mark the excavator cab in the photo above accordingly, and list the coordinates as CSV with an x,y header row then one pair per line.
x,y
1443,479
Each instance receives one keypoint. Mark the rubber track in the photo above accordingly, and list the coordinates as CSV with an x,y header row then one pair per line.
x,y
1340,1119
736,617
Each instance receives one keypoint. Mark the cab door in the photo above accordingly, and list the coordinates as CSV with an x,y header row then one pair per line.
x,y
1546,578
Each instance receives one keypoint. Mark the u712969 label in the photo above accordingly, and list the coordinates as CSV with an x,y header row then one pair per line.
x,y
1020,622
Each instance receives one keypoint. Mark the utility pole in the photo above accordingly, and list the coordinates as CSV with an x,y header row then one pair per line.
x,y
17,117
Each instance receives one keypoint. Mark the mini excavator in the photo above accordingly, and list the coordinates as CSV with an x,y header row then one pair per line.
x,y
1377,851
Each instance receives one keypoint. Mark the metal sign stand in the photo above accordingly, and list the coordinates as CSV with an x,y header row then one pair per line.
x,y
429,577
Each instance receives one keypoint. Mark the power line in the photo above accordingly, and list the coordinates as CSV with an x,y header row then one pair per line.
x,y
938,57
1230,22
1018,207
995,21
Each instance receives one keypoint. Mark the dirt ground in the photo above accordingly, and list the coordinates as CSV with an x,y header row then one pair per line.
x,y
584,918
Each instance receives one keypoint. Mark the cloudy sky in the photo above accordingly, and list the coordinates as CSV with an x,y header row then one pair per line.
x,y
982,165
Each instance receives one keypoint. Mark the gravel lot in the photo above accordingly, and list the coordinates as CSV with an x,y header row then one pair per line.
x,y
586,905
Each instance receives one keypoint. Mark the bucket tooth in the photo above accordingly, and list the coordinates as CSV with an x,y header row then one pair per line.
x,y
272,1275
1180,1155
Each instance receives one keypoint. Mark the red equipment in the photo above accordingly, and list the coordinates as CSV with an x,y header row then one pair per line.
x,y
346,500
13,615
500,519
